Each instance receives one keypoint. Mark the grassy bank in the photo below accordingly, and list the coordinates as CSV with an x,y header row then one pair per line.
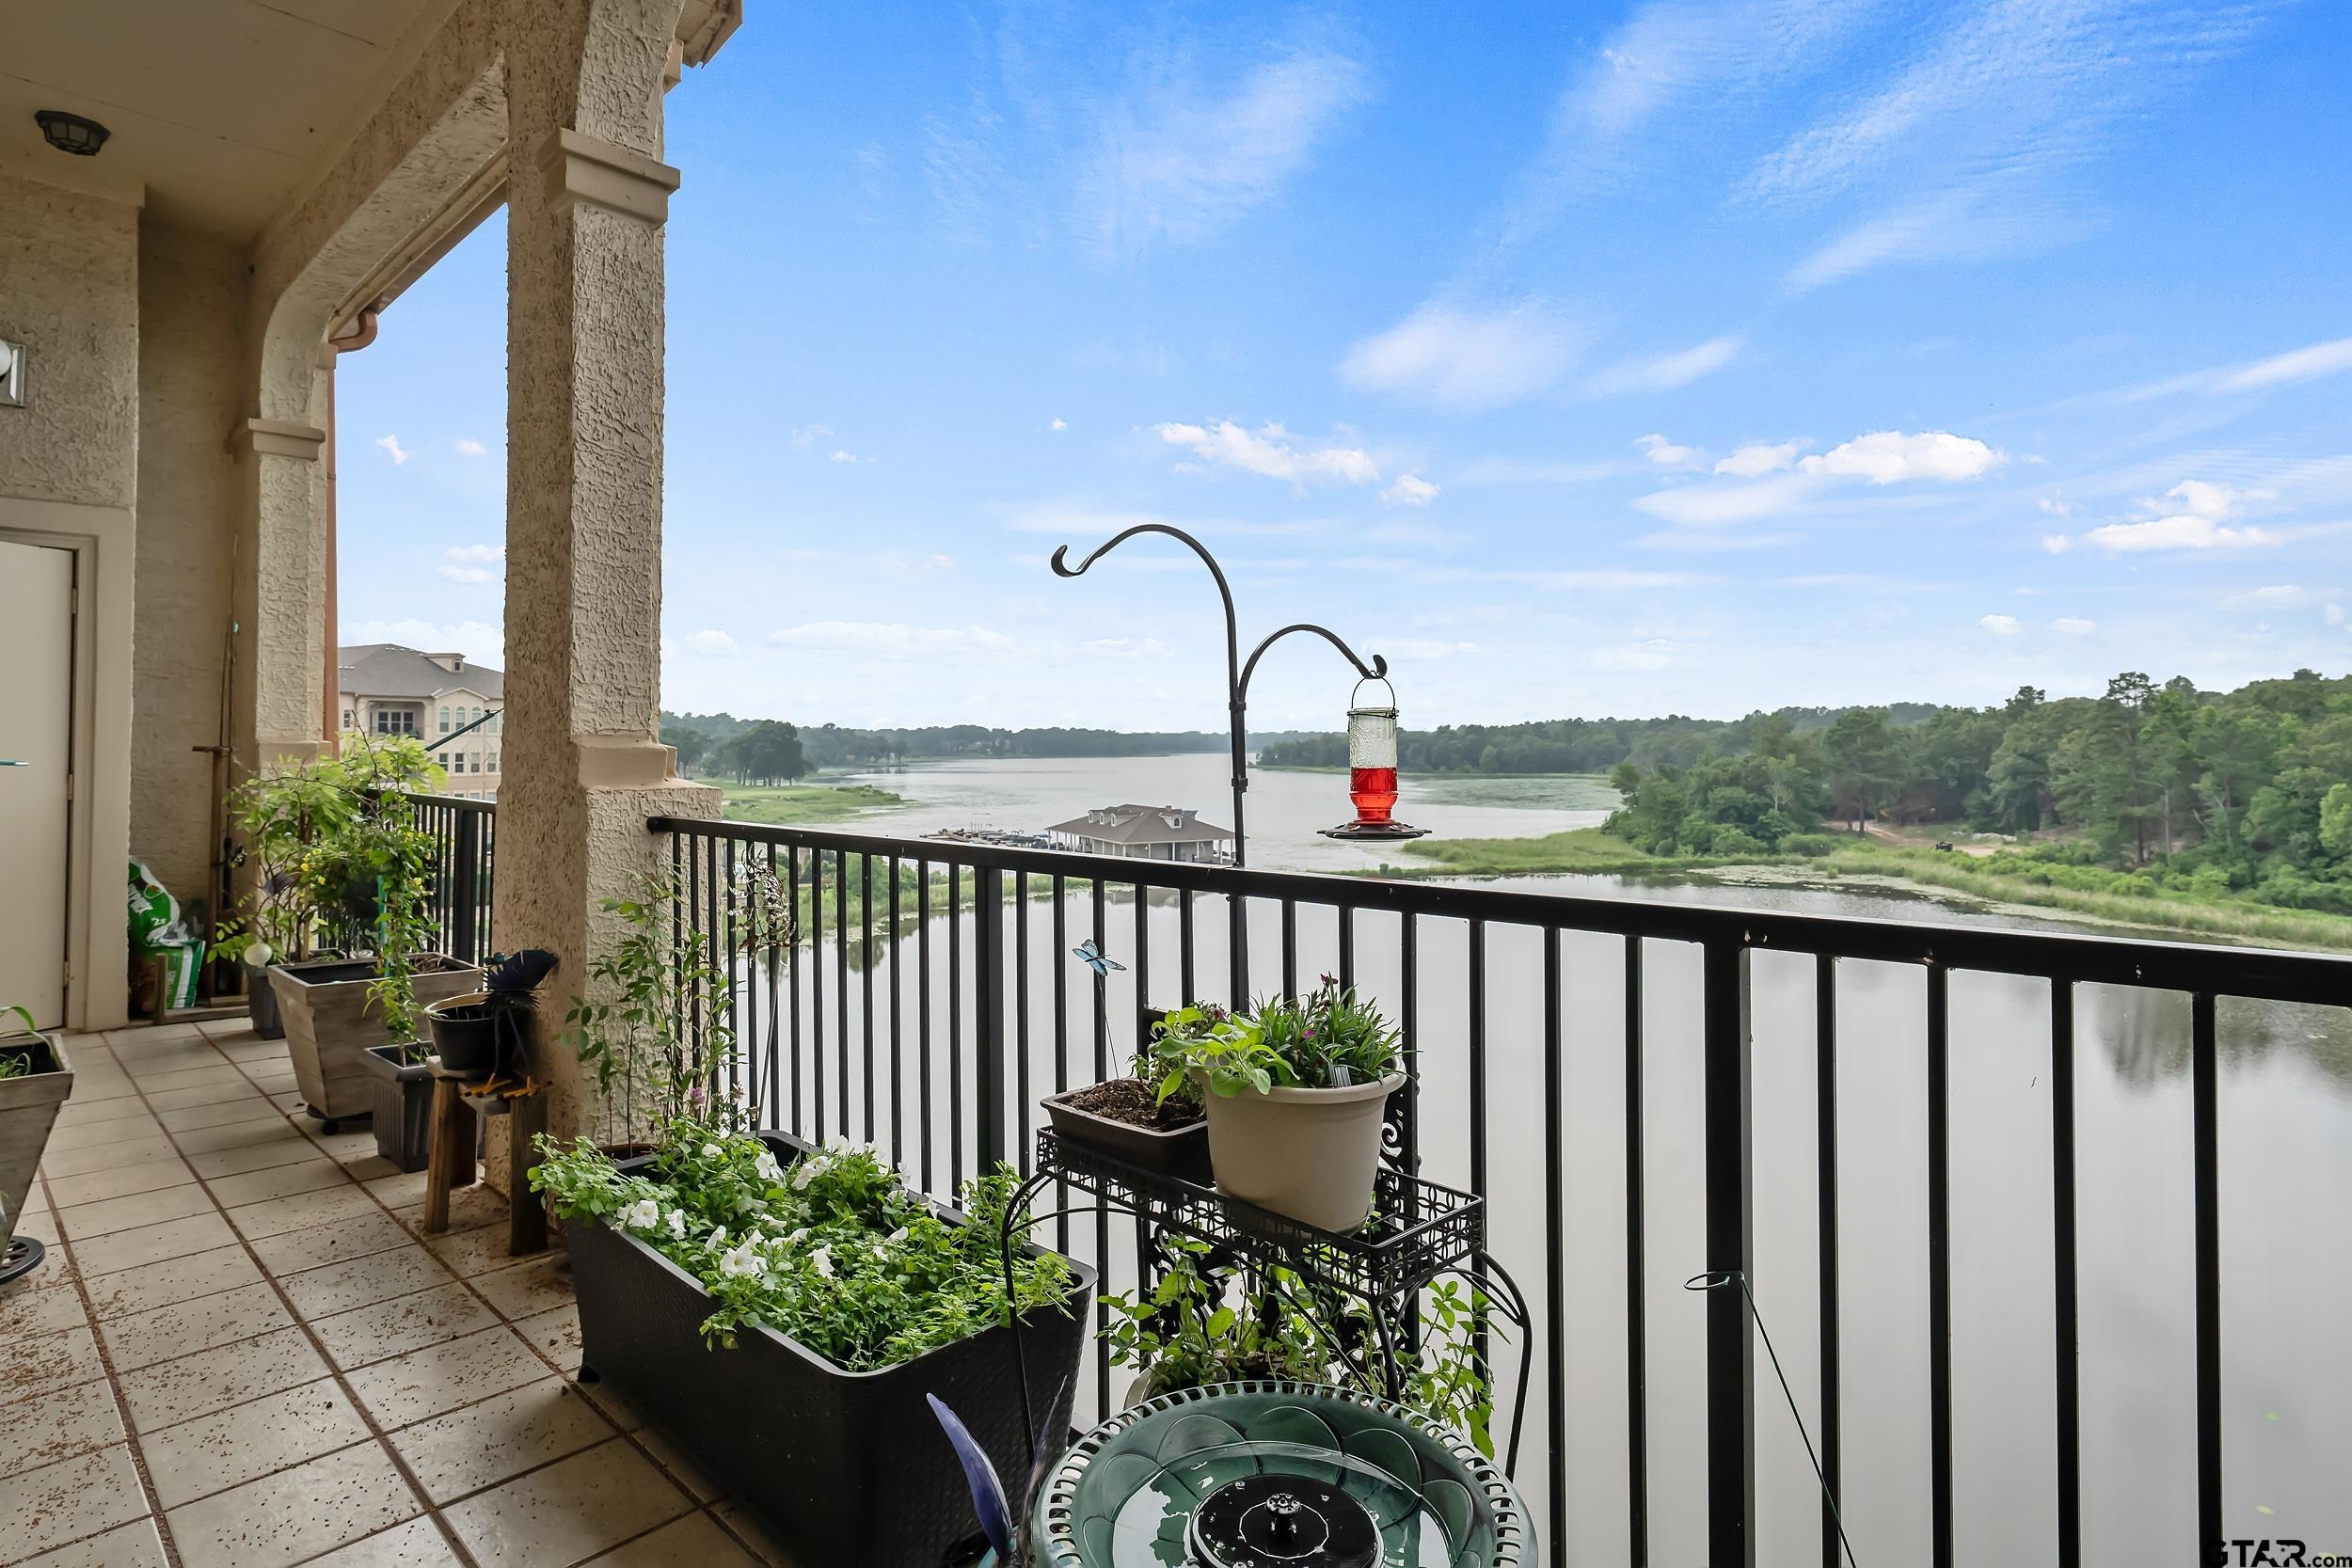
x,y
1590,851
804,805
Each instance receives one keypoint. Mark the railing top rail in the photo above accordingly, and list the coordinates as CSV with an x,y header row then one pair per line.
x,y
2268,974
456,802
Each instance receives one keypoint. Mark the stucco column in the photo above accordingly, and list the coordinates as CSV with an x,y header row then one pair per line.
x,y
583,764
282,596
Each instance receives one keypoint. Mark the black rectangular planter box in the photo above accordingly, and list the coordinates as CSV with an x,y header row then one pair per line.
x,y
845,1467
1183,1154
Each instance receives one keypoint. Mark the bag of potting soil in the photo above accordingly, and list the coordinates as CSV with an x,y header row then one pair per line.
x,y
183,960
153,911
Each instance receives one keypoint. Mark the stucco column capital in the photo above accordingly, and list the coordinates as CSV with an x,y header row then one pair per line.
x,y
579,167
279,439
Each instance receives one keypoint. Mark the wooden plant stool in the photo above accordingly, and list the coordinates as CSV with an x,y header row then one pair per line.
x,y
449,1159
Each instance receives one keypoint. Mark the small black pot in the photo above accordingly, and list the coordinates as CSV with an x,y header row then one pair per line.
x,y
846,1467
262,998
1183,1154
467,1031
403,1110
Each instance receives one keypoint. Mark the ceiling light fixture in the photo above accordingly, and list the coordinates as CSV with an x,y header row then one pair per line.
x,y
71,133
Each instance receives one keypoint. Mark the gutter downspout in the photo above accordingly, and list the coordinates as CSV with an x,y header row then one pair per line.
x,y
358,334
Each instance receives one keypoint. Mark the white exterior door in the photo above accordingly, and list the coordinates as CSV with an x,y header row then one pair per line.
x,y
35,734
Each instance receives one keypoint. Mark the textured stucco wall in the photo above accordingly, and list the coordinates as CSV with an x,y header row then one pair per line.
x,y
192,295
69,293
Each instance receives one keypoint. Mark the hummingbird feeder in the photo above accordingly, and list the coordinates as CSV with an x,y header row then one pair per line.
x,y
1371,769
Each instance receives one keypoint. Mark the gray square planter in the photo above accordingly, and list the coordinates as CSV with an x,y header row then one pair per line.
x,y
28,1108
330,1024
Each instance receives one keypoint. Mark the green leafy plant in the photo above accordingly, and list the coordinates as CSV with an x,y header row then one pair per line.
x,y
17,1064
644,994
1165,1051
832,1250
1328,1039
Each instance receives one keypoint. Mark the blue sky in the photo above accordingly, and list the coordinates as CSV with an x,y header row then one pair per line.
x,y
1682,357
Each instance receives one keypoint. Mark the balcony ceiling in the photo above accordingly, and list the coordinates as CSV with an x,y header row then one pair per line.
x,y
220,109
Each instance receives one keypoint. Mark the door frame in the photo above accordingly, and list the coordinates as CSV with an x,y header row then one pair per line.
x,y
98,815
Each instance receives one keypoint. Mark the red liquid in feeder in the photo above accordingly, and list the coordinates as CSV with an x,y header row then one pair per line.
x,y
1374,791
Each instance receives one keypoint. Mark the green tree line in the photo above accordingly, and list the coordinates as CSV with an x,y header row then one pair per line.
x,y
706,736
1568,745
2244,792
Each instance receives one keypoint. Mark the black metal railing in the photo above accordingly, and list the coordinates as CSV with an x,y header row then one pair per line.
x,y
989,1028
926,1004
460,881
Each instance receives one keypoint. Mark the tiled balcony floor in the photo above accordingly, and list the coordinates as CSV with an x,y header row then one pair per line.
x,y
245,1352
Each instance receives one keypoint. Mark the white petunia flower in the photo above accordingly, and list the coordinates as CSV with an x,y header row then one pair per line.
x,y
713,1151
767,1167
743,1262
822,1258
644,1214
809,1170
899,1235
677,1224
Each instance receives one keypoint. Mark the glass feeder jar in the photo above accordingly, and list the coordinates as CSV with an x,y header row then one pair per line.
x,y
1371,756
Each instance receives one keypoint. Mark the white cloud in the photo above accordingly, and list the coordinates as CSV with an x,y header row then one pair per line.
x,y
1714,505
2054,507
2192,515
393,449
1751,460
1268,451
464,574
1669,370
1058,424
1890,457
841,456
2303,364
1124,647
1184,165
1654,653
2073,625
808,435
2282,596
2334,615
468,446
709,642
2056,544
1665,453
890,639
1999,626
1410,490
1465,359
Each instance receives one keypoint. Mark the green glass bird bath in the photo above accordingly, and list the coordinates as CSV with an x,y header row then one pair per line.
x,y
1276,1475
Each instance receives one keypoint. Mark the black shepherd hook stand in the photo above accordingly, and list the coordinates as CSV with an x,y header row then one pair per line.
x,y
1237,670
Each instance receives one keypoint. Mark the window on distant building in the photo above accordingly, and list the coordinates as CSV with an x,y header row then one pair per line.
x,y
347,719
395,721
445,718
494,761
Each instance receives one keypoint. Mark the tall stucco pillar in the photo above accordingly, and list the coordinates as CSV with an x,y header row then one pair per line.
x,y
584,766
281,596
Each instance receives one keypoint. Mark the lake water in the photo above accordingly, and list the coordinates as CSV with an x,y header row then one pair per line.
x,y
2286,1168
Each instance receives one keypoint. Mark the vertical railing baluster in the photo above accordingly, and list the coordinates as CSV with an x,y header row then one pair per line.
x,y
1825,1194
841,988
988,1024
1348,950
1061,968
1408,1034
865,981
2065,1324
1102,1214
1555,1254
1023,1097
898,1061
1184,947
1731,1348
461,922
1290,947
923,1016
816,987
723,857
792,977
1939,1267
2205,1137
1142,962
779,932
1636,1270
1481,1336
955,1025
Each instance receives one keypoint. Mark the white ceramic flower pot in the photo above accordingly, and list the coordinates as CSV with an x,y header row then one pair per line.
x,y
1308,1153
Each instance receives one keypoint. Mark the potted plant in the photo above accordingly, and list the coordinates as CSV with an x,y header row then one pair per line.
x,y
1129,1119
1295,1093
480,1034
783,1312
34,1079
367,873
281,815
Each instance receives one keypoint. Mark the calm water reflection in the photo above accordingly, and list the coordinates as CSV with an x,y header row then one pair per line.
x,y
2286,1151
